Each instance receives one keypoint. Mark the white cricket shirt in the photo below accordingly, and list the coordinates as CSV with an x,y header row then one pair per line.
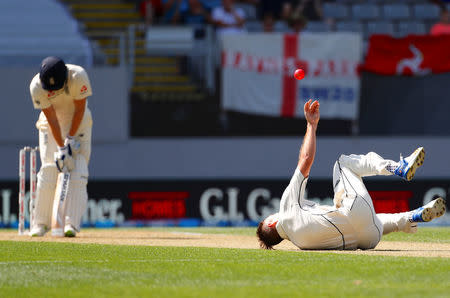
x,y
78,87
309,225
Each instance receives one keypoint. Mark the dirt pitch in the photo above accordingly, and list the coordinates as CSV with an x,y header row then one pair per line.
x,y
178,238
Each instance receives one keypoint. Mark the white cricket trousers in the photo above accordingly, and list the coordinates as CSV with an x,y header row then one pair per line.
x,y
76,202
357,203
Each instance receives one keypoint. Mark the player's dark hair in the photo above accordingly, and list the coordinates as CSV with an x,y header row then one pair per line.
x,y
267,237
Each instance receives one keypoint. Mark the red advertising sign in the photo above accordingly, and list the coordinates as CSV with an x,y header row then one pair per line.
x,y
391,201
158,205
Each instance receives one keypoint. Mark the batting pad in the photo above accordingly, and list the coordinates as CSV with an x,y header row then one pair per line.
x,y
76,202
46,184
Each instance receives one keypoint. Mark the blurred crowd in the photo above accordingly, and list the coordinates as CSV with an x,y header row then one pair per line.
x,y
230,16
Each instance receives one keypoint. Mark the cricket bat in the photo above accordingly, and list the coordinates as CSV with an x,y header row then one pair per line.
x,y
58,213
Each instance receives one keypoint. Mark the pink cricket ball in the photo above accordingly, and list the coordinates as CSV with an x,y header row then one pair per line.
x,y
299,74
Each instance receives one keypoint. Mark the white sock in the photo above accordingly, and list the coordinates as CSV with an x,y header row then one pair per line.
x,y
397,222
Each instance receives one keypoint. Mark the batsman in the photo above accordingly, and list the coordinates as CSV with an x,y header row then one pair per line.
x,y
60,91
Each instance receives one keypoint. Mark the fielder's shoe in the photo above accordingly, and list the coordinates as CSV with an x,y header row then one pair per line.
x,y
69,231
430,211
38,231
408,166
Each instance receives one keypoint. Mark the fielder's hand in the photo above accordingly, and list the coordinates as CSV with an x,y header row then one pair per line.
x,y
63,159
312,113
72,144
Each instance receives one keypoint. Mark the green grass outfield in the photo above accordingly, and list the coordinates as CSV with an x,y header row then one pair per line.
x,y
47,269
424,234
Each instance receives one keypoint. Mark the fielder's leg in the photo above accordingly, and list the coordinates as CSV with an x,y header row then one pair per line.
x,y
46,184
407,221
352,195
397,222
349,169
372,164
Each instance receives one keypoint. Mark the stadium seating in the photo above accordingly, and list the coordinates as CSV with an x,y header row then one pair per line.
x,y
407,28
398,18
281,27
254,26
365,11
380,27
349,26
335,11
396,11
26,37
426,12
317,27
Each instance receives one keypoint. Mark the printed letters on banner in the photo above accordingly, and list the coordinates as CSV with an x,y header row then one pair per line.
x,y
258,73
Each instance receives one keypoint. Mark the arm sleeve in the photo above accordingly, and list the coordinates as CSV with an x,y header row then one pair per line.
x,y
294,192
39,95
81,86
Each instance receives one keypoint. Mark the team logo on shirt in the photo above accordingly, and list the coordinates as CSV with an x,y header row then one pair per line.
x,y
83,89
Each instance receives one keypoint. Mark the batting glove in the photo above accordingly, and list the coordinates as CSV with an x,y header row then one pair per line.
x,y
63,158
73,144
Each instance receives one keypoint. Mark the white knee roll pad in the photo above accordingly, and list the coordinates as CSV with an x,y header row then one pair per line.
x,y
76,202
46,185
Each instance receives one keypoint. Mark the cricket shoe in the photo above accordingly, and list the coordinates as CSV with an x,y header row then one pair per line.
x,y
409,165
69,231
38,231
430,211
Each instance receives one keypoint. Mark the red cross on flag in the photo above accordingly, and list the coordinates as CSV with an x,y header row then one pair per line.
x,y
258,73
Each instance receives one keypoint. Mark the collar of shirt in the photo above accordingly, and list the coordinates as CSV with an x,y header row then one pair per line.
x,y
280,231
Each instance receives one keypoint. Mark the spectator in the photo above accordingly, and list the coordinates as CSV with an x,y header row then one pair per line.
x,y
278,8
268,23
310,9
443,26
173,10
150,10
297,22
228,19
196,14
254,2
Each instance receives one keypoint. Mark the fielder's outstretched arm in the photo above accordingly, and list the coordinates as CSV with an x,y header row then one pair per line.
x,y
308,149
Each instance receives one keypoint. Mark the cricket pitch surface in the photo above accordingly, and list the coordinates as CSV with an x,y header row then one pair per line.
x,y
147,237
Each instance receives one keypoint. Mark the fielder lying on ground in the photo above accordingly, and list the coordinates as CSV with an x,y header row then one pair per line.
x,y
352,222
